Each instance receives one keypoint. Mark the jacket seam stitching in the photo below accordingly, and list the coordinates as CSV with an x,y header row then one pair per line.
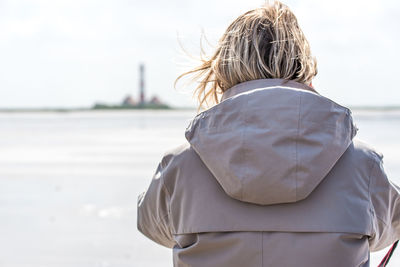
x,y
162,180
370,199
262,249
244,151
162,217
164,187
372,169
377,216
296,143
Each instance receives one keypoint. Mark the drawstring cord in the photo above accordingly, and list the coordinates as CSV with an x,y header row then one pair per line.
x,y
388,255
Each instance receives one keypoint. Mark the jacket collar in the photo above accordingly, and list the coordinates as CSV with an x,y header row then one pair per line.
x,y
263,83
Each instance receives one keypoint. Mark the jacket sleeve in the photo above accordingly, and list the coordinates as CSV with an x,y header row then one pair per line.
x,y
153,211
385,200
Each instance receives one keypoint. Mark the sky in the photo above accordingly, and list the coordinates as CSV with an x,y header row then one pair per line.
x,y
73,53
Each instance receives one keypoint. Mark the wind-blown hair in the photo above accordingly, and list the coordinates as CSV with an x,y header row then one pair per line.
x,y
263,43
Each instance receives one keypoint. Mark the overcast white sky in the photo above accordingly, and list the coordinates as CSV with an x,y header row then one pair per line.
x,y
71,53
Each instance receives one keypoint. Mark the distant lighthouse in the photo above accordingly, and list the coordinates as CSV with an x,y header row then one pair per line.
x,y
141,84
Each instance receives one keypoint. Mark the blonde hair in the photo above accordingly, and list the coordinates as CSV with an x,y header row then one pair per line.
x,y
263,43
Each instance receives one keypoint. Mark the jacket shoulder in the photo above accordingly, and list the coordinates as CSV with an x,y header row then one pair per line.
x,y
363,149
178,154
177,162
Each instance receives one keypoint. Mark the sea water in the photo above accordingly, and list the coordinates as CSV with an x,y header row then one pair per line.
x,y
69,183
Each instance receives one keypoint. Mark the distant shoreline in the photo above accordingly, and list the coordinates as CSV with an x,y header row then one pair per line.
x,y
375,108
136,108
117,108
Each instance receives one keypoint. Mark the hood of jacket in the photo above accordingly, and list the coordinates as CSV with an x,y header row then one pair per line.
x,y
271,141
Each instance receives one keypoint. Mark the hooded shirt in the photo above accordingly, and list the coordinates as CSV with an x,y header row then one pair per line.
x,y
271,176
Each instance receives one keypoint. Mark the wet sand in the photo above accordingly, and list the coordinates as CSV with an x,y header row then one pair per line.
x,y
69,183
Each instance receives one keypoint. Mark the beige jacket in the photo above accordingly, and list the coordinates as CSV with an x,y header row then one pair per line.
x,y
271,176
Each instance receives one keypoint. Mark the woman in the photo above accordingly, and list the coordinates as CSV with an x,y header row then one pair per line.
x,y
271,174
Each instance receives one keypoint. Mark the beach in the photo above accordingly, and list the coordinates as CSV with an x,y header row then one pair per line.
x,y
69,182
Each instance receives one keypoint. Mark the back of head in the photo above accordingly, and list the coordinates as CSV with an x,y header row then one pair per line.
x,y
263,43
